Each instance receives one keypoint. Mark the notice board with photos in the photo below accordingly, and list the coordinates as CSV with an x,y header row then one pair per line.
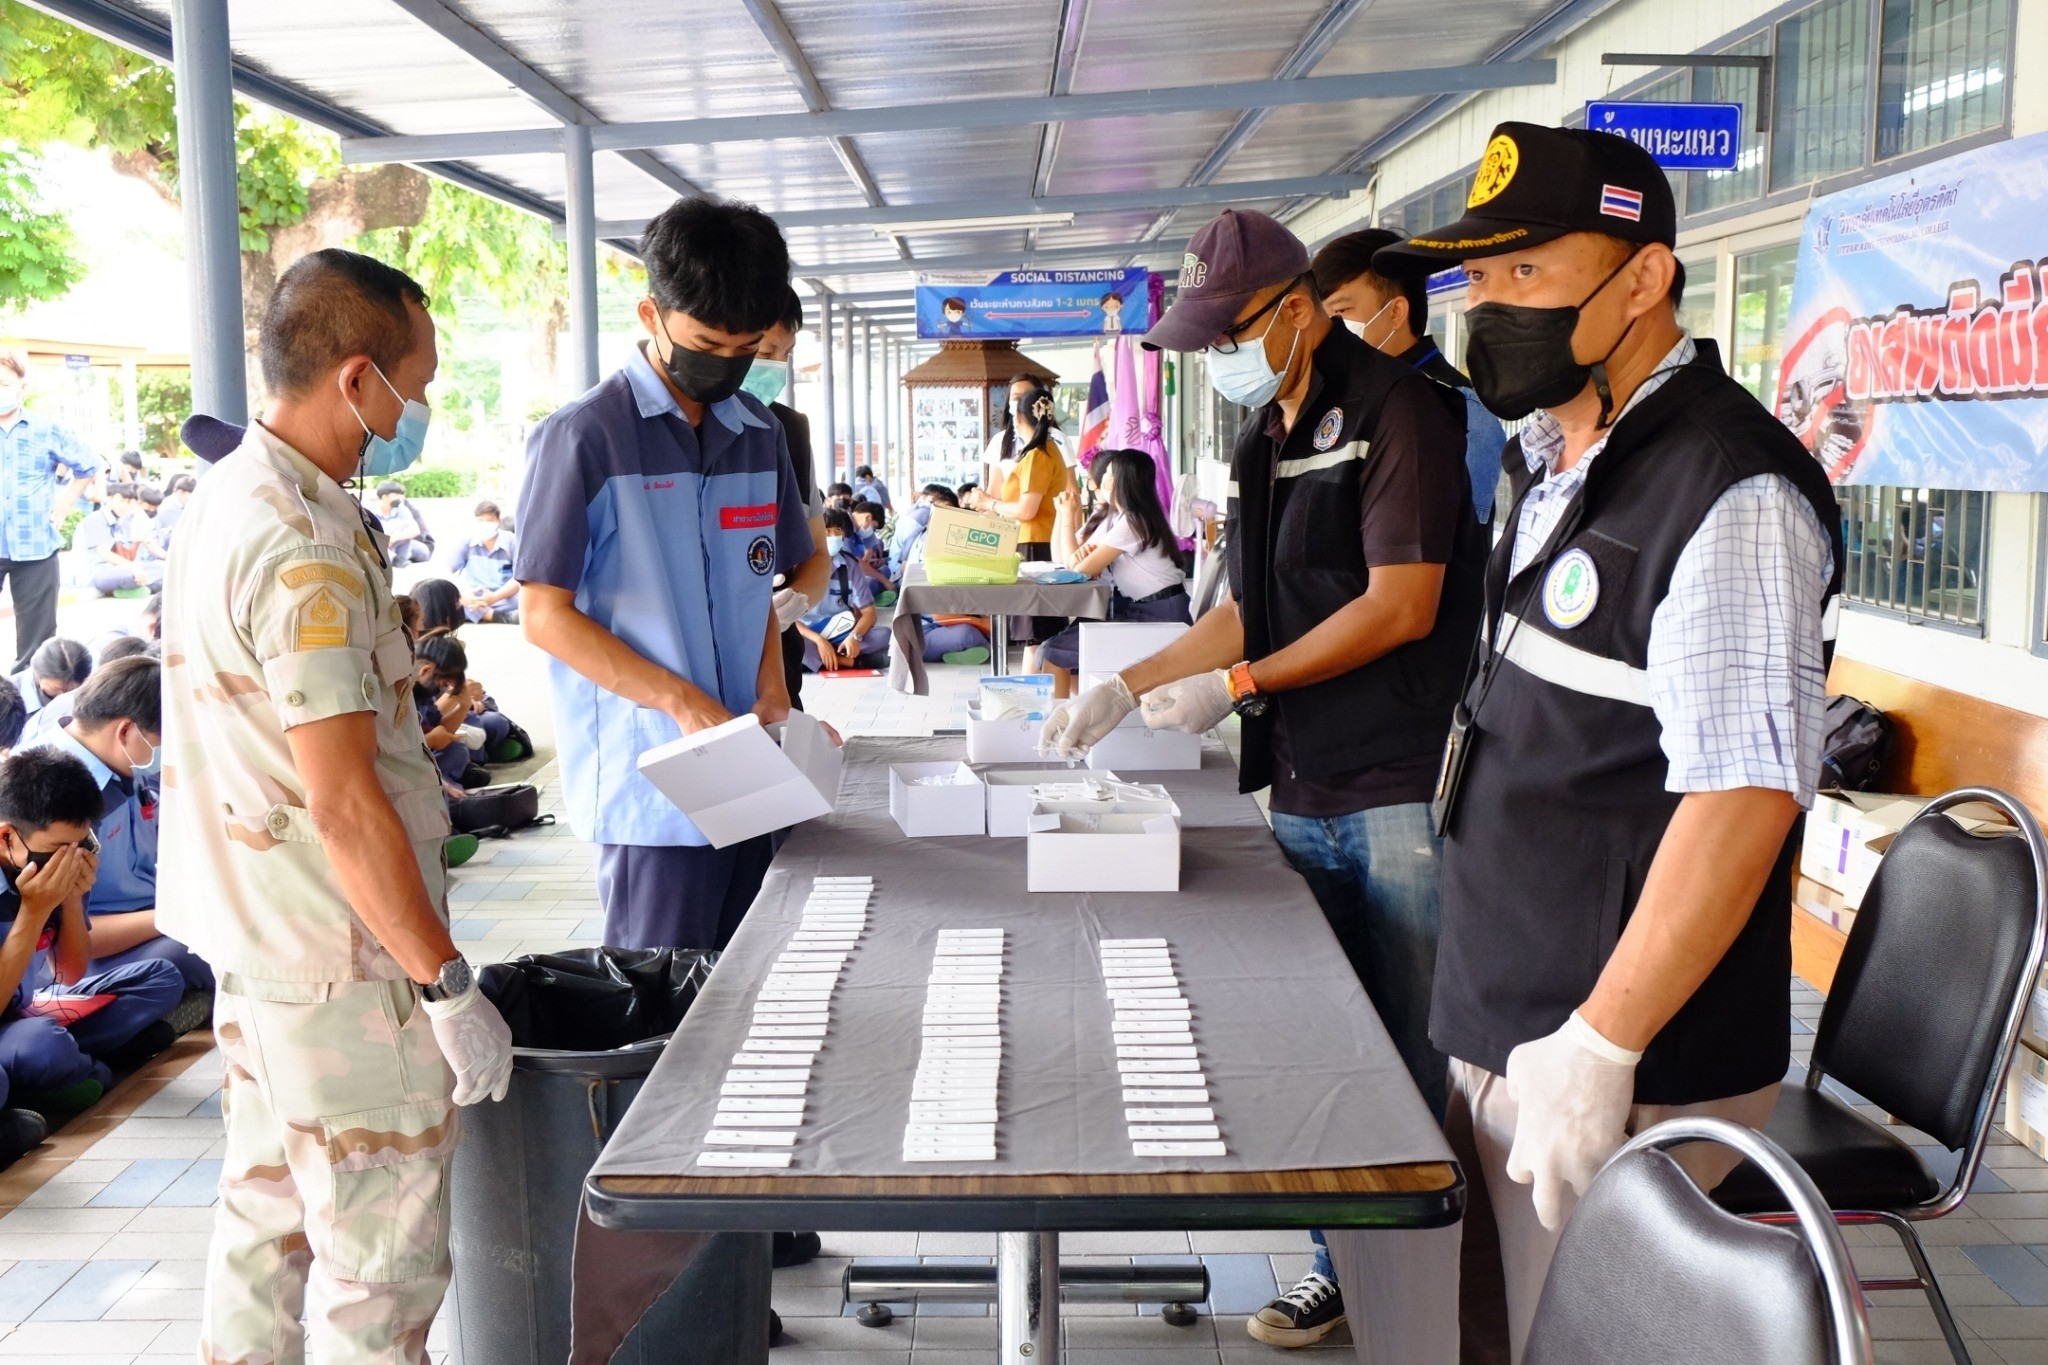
x,y
948,425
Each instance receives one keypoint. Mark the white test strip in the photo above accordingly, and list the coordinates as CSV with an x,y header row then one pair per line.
x,y
952,1114
1193,1113
768,1073
763,1087
761,1160
728,1119
1197,1095
759,1137
1179,1149
1175,1132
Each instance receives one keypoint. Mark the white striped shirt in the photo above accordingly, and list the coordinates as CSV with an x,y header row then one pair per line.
x,y
1735,672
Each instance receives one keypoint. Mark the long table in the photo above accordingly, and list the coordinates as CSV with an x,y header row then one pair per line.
x,y
1323,1126
919,596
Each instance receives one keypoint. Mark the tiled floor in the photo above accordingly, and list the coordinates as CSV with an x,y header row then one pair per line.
x,y
103,1232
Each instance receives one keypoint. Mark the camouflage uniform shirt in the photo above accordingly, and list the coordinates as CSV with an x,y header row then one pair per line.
x,y
278,611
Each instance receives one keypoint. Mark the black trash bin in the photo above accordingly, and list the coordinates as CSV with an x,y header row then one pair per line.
x,y
588,1027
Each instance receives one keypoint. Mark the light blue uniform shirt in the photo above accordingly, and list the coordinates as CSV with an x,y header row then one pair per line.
x,y
127,833
670,537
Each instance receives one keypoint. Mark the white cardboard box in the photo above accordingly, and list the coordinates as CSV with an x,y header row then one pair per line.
x,y
738,780
958,807
1010,796
1001,741
1112,646
1135,748
1848,832
1124,845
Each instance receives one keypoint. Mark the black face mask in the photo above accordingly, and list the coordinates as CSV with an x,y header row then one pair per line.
x,y
701,376
1520,358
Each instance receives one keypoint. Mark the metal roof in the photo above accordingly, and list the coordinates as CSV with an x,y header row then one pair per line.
x,y
433,68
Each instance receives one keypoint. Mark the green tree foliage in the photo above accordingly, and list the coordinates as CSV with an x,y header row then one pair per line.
x,y
472,248
35,244
163,398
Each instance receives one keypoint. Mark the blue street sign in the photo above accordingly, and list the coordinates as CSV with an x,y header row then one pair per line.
x,y
1683,137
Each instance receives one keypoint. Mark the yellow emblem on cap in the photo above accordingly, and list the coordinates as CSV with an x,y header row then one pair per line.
x,y
1496,169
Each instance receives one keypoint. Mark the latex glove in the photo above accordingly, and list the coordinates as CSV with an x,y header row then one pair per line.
x,y
477,1043
1078,724
1193,705
791,607
1572,1092
472,735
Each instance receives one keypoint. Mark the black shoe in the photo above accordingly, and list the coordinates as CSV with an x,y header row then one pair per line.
x,y
194,1011
20,1131
143,1046
774,1325
1302,1316
796,1248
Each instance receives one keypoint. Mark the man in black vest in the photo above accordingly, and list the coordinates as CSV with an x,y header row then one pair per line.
x,y
770,380
1355,571
1631,754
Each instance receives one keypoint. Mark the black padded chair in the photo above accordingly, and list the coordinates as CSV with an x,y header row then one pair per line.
x,y
1650,1272
1921,1021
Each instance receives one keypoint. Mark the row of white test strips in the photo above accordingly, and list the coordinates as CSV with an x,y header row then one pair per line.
x,y
953,1094
761,1101
1166,1095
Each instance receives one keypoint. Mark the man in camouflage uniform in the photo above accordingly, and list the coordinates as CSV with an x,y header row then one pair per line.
x,y
295,774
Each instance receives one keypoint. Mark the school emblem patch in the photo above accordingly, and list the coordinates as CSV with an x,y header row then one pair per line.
x,y
761,554
1571,590
1329,429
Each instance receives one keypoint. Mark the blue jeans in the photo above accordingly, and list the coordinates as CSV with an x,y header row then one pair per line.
x,y
192,967
1374,872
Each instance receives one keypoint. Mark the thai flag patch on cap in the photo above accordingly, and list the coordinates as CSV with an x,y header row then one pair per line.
x,y
1617,202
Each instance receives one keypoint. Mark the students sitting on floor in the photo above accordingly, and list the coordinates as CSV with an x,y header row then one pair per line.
x,y
839,495
411,541
58,666
13,717
1129,542
872,550
440,606
448,675
114,729
54,713
116,548
910,531
59,1044
841,632
444,695
483,566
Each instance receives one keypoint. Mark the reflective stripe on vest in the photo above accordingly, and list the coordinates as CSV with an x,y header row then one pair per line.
x,y
1309,464
1551,659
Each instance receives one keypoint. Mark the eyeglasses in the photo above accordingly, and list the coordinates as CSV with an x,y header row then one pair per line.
x,y
1227,343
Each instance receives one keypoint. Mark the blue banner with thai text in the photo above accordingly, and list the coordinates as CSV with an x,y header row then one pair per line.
x,y
1682,137
1020,304
1916,351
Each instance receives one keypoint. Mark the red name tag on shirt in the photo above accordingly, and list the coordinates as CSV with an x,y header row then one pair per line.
x,y
747,518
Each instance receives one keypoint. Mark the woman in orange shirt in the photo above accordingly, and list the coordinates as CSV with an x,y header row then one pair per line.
x,y
1029,488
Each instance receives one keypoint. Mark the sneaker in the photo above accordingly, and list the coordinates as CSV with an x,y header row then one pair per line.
x,y
194,1011
978,654
796,1248
20,1131
153,1038
1302,1316
460,848
63,1102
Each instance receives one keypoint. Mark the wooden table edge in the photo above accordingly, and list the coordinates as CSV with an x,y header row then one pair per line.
x,y
1429,1177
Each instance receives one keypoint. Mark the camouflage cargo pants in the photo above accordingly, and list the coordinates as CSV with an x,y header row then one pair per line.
x,y
333,1192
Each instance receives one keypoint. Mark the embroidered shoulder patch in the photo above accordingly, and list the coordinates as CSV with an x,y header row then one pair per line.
x,y
323,622
320,571
1329,429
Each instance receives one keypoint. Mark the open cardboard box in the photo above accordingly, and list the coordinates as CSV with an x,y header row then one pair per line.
x,y
959,806
1001,741
1848,832
1011,795
1112,646
1128,844
1133,747
739,780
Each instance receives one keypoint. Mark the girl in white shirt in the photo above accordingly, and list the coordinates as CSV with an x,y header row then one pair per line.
x,y
1128,542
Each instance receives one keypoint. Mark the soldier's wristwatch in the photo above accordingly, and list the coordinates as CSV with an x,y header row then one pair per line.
x,y
455,979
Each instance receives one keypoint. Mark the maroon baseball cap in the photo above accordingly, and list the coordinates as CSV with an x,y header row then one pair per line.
x,y
1235,255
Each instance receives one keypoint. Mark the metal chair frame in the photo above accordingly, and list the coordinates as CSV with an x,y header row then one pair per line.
x,y
1849,1320
1901,1221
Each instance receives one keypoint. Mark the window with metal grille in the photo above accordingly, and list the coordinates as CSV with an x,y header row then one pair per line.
x,y
1820,122
1941,72
1707,191
1919,552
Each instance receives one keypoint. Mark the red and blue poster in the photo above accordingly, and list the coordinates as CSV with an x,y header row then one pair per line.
x,y
1016,305
1917,349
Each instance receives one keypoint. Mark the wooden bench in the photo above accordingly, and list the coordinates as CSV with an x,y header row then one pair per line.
x,y
1940,740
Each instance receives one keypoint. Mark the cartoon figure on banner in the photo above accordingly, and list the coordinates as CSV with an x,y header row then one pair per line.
x,y
1813,395
955,312
1112,313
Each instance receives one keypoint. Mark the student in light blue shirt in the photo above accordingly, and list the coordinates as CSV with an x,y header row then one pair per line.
x,y
867,487
841,632
482,565
655,512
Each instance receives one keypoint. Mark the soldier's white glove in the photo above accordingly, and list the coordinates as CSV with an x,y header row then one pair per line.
x,y
476,1042
1572,1094
1194,705
791,607
1076,725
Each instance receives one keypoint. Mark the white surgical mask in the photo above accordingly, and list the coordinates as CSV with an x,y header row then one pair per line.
x,y
1358,329
486,530
1244,376
834,544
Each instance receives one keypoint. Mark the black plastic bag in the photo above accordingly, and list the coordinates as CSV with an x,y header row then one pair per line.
x,y
596,999
1854,739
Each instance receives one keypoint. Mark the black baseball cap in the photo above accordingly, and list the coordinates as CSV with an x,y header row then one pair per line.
x,y
1536,184
211,439
1235,255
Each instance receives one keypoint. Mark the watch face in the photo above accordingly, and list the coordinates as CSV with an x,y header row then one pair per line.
x,y
455,979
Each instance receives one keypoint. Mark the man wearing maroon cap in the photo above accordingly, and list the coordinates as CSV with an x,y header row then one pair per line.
x,y
1355,562
1629,759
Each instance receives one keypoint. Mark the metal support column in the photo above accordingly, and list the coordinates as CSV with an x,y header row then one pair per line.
x,y
825,369
852,383
213,223
867,391
580,202
1028,1298
888,396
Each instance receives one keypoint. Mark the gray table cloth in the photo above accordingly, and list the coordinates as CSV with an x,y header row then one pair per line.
x,y
1300,1072
920,597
